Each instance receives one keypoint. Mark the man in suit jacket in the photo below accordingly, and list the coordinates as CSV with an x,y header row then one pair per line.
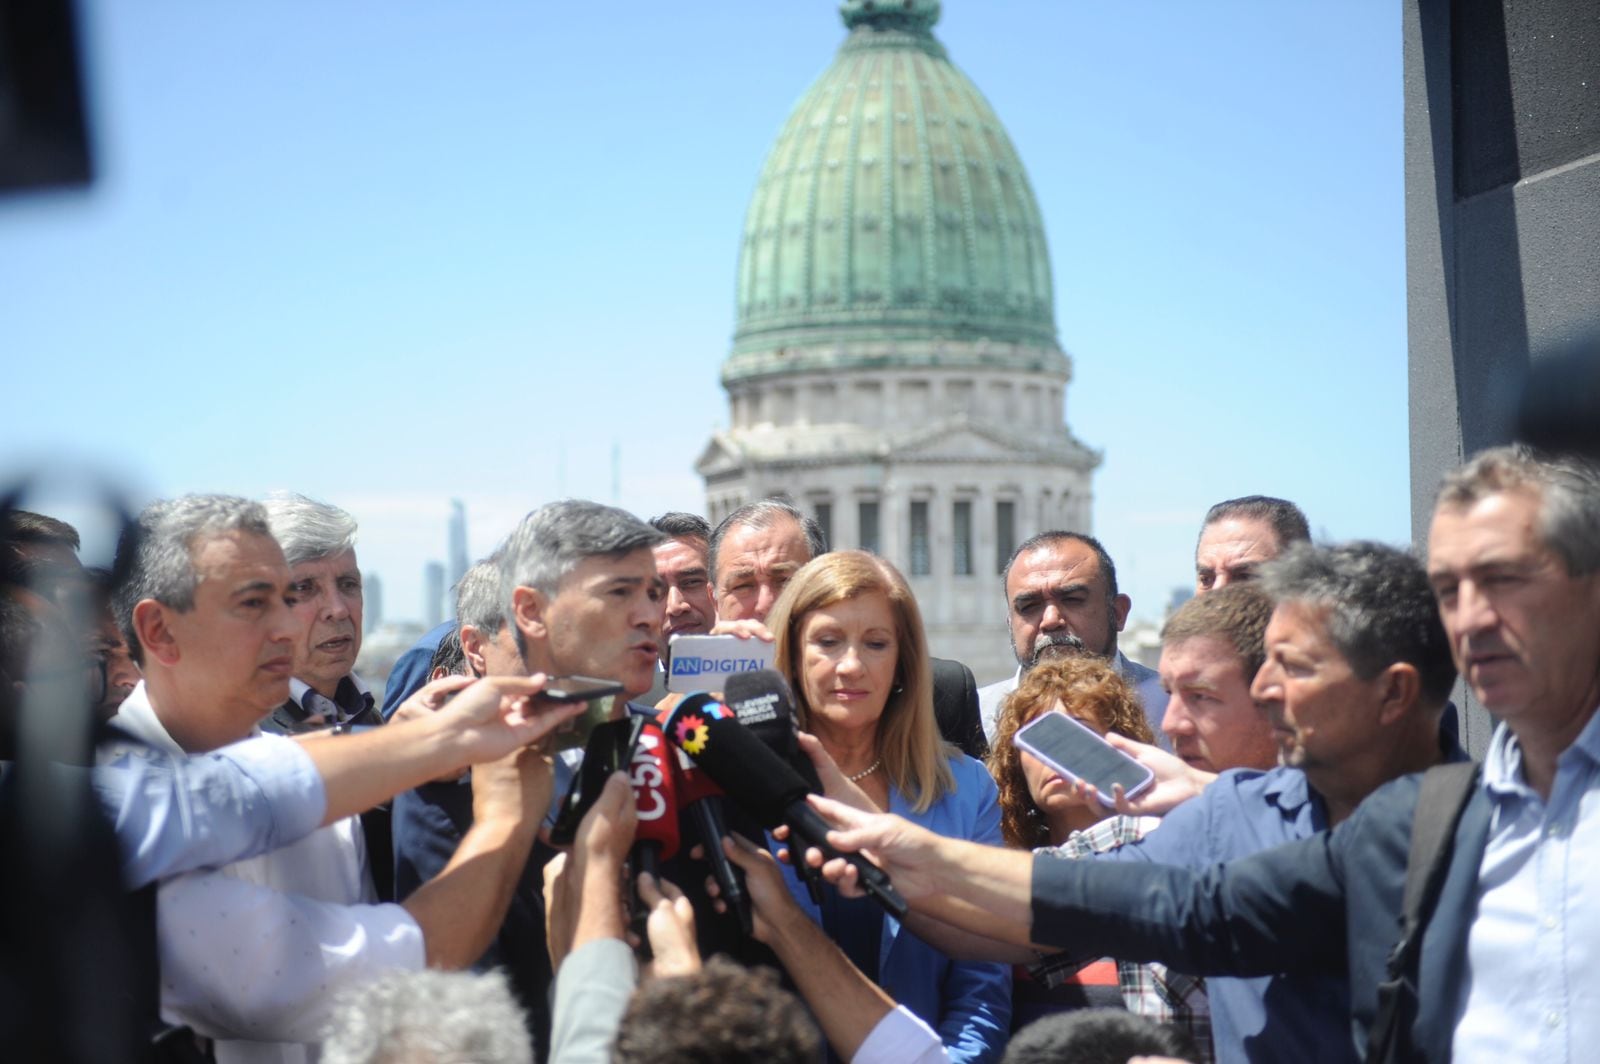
x,y
1062,598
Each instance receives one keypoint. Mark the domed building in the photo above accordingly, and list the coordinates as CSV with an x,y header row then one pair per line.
x,y
895,369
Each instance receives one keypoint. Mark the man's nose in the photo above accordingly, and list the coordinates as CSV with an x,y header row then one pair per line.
x,y
1052,618
676,603
766,598
333,606
1264,688
285,625
1473,612
1176,721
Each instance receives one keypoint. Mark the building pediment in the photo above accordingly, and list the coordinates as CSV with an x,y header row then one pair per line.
x,y
968,439
721,455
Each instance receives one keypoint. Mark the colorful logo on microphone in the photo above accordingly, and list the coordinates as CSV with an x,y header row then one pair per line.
x,y
692,734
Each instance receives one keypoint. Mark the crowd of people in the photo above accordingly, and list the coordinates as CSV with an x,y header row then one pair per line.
x,y
292,866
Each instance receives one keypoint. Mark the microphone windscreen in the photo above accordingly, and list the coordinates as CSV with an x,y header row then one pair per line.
x,y
655,799
752,776
763,702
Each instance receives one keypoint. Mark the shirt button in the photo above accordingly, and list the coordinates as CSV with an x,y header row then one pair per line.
x,y
1551,923
1553,831
1552,1019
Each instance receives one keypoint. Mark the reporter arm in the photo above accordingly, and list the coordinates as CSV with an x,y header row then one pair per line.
x,y
847,1005
596,979
461,908
967,945
486,720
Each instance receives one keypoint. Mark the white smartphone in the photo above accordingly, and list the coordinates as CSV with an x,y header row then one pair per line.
x,y
1074,750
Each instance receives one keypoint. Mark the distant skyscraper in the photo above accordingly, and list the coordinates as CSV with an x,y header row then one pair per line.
x,y
458,541
432,594
372,602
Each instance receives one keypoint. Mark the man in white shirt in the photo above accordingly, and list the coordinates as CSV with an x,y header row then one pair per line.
x,y
252,954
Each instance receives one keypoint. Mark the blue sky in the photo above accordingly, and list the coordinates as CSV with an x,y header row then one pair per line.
x,y
390,254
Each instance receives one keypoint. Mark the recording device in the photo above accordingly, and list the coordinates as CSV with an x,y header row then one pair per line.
x,y
763,703
1073,749
701,799
610,749
655,805
701,662
601,696
764,785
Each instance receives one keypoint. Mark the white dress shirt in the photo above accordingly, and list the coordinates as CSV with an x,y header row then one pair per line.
x,y
252,953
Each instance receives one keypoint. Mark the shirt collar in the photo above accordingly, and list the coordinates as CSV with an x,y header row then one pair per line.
x,y
1502,763
351,699
1286,788
137,717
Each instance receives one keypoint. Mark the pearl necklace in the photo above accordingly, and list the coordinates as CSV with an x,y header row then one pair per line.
x,y
864,773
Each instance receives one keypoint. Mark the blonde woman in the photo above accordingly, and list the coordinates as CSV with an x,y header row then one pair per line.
x,y
851,644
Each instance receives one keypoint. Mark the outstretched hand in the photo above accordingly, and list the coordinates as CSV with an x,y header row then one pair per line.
x,y
908,853
1175,781
489,718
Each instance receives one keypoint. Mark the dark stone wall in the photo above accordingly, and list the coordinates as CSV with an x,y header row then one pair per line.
x,y
1502,127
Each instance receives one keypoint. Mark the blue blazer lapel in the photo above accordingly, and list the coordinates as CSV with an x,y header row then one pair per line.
x,y
1444,944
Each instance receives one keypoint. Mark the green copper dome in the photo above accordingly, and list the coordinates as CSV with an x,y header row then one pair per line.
x,y
892,208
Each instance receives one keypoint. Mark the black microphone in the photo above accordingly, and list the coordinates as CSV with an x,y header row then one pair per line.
x,y
764,785
764,703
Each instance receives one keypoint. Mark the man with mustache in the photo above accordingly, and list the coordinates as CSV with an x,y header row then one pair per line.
x,y
1062,598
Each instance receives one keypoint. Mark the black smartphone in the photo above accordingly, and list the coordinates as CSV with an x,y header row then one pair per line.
x,y
601,696
1074,750
578,689
609,749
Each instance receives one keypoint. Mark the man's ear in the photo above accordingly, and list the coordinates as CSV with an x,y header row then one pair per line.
x,y
530,612
155,635
472,641
1399,691
1119,608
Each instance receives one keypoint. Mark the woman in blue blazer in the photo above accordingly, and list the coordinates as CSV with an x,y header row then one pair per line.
x,y
850,642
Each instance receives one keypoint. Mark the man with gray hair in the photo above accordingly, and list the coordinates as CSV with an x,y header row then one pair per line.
x,y
486,641
754,551
580,592
573,590
319,543
250,952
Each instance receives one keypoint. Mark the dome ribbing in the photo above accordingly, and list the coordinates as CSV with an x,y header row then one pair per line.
x,y
892,207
